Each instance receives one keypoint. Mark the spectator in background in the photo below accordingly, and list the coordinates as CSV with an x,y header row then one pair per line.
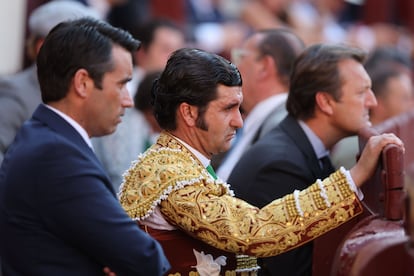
x,y
330,21
388,55
393,89
103,7
265,61
213,29
159,39
143,103
129,14
20,93
59,214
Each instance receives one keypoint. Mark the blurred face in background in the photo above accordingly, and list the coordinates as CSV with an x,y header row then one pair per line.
x,y
397,98
248,60
166,40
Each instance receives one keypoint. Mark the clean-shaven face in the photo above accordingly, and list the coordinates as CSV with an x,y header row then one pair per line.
x,y
352,109
107,105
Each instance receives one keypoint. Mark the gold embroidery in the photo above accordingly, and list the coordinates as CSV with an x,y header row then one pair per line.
x,y
168,175
246,263
158,172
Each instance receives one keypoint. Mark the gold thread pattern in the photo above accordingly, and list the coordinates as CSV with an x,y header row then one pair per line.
x,y
169,176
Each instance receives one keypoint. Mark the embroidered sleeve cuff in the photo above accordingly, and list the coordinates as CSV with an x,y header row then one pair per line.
x,y
352,185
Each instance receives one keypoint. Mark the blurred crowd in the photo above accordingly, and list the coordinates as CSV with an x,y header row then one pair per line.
x,y
220,25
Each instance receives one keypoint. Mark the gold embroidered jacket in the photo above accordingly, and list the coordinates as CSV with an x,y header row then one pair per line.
x,y
170,176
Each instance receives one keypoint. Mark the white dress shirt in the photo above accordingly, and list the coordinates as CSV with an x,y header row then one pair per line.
x,y
74,124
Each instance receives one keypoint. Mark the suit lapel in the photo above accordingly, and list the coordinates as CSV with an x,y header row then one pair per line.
x,y
291,126
274,118
63,128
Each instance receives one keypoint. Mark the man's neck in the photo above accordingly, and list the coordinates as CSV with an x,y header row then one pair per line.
x,y
201,157
324,131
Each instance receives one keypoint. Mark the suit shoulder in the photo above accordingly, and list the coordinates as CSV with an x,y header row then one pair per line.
x,y
277,140
38,140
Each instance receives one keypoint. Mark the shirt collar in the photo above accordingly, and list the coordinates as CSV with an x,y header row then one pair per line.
x,y
74,124
315,141
204,160
258,114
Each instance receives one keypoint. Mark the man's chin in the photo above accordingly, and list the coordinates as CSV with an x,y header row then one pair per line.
x,y
225,149
105,132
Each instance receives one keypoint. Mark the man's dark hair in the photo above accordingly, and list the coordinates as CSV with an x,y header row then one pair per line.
x,y
145,31
381,77
142,98
316,70
191,76
72,45
384,55
289,46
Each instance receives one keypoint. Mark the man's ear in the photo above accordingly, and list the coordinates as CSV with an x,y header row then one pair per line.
x,y
82,83
268,67
324,101
189,113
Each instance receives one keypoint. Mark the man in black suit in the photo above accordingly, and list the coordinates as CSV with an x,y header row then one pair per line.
x,y
329,98
59,214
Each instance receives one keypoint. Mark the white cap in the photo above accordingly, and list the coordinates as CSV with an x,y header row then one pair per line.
x,y
46,16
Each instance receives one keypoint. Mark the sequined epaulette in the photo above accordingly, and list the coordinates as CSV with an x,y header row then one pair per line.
x,y
163,168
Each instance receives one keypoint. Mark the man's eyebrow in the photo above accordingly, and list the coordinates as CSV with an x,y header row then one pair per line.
x,y
231,105
125,80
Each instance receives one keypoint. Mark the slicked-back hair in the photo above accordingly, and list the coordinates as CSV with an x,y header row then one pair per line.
x,y
191,76
283,46
72,45
316,70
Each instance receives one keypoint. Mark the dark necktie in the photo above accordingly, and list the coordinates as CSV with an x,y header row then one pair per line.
x,y
326,165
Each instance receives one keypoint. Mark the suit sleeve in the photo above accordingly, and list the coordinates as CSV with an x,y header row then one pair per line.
x,y
231,224
79,209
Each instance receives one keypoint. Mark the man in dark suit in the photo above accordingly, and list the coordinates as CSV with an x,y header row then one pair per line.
x,y
59,214
329,98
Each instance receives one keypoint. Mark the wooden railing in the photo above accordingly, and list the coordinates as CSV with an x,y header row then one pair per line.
x,y
381,240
